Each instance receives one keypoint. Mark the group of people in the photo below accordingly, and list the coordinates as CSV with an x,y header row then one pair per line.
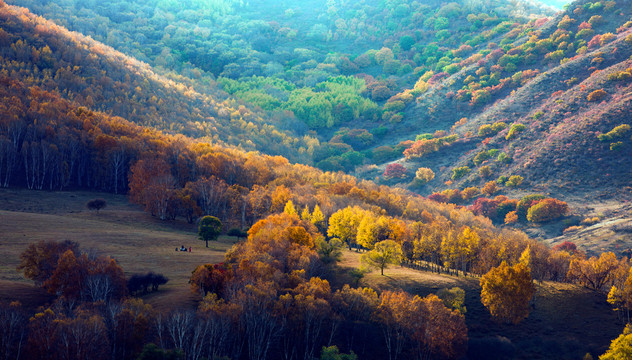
x,y
182,248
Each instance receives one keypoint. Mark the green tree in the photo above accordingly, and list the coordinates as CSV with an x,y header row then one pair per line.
x,y
332,353
384,253
210,228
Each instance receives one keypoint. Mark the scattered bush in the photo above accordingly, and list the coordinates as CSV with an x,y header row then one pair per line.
x,y
616,146
615,133
490,188
504,158
485,172
547,210
590,221
470,192
515,130
145,283
459,172
96,204
596,95
514,181
525,203
424,175
395,171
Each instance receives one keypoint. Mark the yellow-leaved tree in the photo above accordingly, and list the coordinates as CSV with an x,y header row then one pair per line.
x,y
621,347
384,253
506,292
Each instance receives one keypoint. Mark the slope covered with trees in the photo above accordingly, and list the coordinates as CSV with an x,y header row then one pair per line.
x,y
95,76
494,102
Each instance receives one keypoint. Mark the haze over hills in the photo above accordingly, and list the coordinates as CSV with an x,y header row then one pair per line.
x,y
306,132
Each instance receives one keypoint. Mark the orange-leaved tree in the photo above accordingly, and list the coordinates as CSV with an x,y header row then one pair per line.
x,y
507,291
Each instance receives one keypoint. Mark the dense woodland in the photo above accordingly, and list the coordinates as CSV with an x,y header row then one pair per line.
x,y
216,112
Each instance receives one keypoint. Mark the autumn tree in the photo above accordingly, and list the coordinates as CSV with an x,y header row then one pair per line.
x,y
152,184
210,278
620,295
593,273
318,219
384,253
444,332
209,229
399,314
344,223
39,260
506,292
621,347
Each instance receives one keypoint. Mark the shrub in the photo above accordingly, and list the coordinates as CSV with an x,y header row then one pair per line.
x,y
617,132
547,210
459,172
620,75
145,283
470,192
504,158
496,209
480,97
514,130
424,175
481,157
395,171
237,233
525,203
96,204
567,246
490,188
596,95
590,221
514,181
511,218
485,172
616,146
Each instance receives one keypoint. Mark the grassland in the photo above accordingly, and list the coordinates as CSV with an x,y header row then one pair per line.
x,y
566,321
137,241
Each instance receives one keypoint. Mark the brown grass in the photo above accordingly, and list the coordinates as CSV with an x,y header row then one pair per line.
x,y
136,240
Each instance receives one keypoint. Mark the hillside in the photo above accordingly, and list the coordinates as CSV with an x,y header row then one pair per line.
x,y
93,75
123,231
327,76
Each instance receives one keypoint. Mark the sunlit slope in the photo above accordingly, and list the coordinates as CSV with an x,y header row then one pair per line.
x,y
91,74
560,88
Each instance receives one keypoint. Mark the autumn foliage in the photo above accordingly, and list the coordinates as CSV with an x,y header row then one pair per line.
x,y
507,291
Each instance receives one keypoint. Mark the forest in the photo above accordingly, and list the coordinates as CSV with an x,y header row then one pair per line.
x,y
466,140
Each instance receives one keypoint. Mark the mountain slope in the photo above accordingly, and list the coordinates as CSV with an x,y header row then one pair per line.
x,y
559,150
38,52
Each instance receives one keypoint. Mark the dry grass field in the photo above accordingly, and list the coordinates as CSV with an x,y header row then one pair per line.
x,y
137,241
